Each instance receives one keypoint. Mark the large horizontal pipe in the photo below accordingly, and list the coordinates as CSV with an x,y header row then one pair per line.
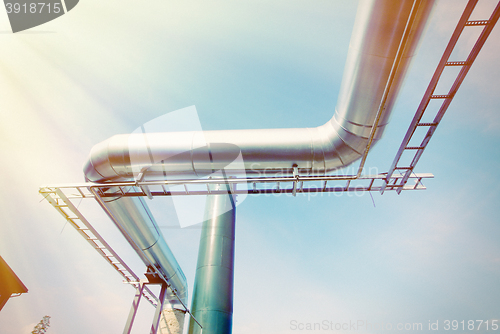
x,y
385,36
384,39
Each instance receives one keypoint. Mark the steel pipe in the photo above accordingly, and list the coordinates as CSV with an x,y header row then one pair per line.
x,y
212,302
383,31
384,39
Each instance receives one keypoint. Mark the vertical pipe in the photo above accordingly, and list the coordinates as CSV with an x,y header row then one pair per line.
x,y
213,286
172,321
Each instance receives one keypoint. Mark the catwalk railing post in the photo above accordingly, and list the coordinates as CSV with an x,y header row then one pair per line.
x,y
159,307
213,287
135,306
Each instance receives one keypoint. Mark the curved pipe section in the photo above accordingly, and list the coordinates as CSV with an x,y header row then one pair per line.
x,y
383,30
384,39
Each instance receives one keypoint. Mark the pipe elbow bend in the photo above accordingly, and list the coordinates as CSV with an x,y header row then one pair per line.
x,y
104,158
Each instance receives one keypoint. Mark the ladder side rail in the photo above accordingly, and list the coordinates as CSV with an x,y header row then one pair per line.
x,y
432,86
127,273
456,85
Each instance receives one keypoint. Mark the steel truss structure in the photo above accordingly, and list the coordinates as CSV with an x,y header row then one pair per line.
x,y
397,178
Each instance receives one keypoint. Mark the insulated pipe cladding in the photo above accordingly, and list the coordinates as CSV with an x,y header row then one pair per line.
x,y
212,302
384,39
383,42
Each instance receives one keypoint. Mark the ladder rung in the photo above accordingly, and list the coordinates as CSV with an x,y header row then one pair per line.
x,y
404,168
414,148
440,96
477,23
455,63
427,124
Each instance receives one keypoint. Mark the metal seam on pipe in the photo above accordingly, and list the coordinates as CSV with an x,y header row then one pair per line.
x,y
363,102
396,62
347,131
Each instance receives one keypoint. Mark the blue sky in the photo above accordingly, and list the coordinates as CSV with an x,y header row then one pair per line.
x,y
105,68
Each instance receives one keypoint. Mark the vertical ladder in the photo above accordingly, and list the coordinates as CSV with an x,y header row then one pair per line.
x,y
446,99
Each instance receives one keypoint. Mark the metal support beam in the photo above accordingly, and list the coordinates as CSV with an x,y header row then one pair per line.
x,y
213,287
135,307
159,307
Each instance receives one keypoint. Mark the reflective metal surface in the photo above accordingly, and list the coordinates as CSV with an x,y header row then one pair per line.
x,y
136,222
212,302
384,39
372,77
